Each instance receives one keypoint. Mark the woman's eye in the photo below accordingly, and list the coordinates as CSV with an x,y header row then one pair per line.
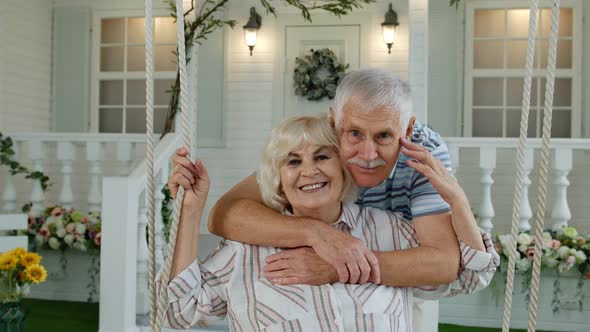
x,y
322,157
293,162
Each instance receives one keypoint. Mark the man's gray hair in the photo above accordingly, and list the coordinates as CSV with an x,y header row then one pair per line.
x,y
371,89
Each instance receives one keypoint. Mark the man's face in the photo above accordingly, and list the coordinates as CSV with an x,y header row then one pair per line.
x,y
369,143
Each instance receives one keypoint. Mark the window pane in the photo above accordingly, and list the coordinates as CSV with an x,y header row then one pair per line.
x,y
518,23
165,59
111,59
561,124
488,54
161,97
136,58
513,123
160,120
566,20
514,88
112,30
135,120
516,53
487,123
165,30
489,23
562,92
136,92
111,92
136,30
110,120
564,54
487,91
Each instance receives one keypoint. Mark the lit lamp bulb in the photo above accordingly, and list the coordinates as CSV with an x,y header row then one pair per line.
x,y
251,28
389,28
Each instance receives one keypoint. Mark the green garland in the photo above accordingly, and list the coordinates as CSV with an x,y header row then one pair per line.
x,y
318,74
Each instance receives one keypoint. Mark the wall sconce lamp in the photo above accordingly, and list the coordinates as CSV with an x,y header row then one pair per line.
x,y
389,28
251,28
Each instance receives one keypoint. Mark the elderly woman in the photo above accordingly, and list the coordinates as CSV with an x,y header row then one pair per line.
x,y
300,174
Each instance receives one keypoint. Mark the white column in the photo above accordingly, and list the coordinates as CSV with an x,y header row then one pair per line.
x,y
454,153
124,151
487,163
418,57
9,193
562,165
526,213
118,255
65,154
94,155
143,300
37,155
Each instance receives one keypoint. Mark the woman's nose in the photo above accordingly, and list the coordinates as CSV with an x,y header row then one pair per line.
x,y
310,169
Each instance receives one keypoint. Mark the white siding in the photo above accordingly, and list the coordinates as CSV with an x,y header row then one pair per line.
x,y
25,65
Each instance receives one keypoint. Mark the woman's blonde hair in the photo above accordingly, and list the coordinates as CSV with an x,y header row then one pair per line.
x,y
290,136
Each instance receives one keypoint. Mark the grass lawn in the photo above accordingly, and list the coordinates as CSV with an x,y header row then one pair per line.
x,y
61,316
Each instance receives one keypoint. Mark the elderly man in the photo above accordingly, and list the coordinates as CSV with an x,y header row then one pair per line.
x,y
373,120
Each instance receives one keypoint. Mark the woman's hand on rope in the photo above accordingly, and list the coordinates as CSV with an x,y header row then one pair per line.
x,y
193,177
426,164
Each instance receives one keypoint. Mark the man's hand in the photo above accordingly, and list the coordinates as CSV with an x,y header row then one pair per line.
x,y
299,266
351,258
433,169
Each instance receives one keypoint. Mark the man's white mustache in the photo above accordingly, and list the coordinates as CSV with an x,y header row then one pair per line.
x,y
367,164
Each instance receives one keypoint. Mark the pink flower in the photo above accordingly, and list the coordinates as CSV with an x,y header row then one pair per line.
x,y
530,253
570,260
97,239
44,231
555,245
587,275
581,240
56,212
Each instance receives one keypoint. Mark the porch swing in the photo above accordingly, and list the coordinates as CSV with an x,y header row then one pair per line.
x,y
157,310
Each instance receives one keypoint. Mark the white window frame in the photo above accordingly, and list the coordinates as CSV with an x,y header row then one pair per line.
x,y
575,73
97,76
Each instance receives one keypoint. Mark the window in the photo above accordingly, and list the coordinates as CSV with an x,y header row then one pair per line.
x,y
496,43
120,77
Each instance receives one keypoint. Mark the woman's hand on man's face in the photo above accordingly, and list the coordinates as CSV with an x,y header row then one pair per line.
x,y
432,168
193,177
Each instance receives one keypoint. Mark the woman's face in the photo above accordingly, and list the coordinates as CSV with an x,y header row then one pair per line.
x,y
312,178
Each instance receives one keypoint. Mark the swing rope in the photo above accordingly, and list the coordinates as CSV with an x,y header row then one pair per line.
x,y
157,311
544,163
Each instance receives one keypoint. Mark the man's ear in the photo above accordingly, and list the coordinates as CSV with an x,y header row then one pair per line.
x,y
332,118
410,128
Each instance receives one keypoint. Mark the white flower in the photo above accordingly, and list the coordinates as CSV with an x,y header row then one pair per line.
x,y
53,243
523,248
80,246
524,239
69,239
61,232
39,239
580,257
547,236
523,264
80,228
504,241
53,220
550,262
563,251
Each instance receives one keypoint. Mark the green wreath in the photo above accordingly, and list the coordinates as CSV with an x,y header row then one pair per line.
x,y
317,74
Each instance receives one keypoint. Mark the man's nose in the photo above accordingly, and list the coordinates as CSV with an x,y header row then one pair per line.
x,y
368,151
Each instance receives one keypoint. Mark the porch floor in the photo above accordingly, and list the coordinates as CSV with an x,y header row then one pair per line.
x,y
62,316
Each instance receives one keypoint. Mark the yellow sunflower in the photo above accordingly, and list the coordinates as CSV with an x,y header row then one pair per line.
x,y
29,258
17,252
36,273
8,262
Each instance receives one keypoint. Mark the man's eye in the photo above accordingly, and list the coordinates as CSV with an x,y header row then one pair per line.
x,y
384,137
293,162
355,133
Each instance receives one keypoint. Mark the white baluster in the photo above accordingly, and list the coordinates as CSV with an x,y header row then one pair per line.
x,y
160,179
526,213
454,153
124,150
37,155
94,155
142,301
562,165
65,154
487,163
9,193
